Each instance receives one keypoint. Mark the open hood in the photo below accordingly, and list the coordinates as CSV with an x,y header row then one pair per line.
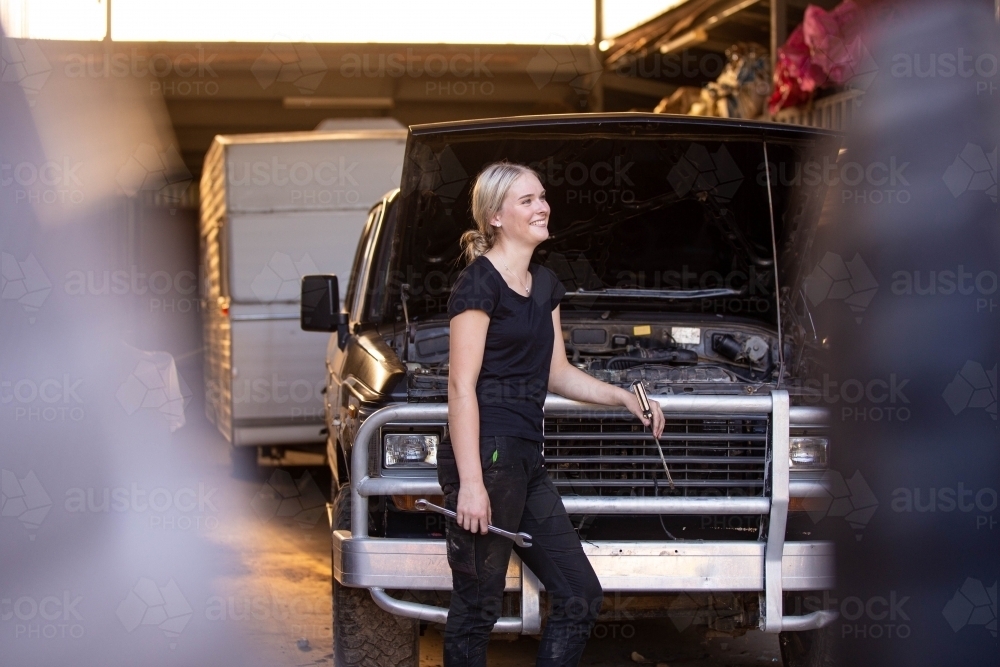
x,y
649,212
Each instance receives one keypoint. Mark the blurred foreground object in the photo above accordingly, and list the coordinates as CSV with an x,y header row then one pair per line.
x,y
912,373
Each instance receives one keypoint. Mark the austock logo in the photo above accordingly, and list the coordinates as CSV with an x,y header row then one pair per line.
x,y
721,613
192,68
282,497
442,173
48,617
412,64
164,291
848,62
328,182
155,384
834,279
52,399
572,65
980,68
24,499
982,285
979,502
598,182
575,274
944,65
974,170
162,606
24,282
302,615
183,508
469,68
876,399
297,64
48,182
851,499
880,182
973,604
974,387
700,171
22,62
149,170
281,278
877,617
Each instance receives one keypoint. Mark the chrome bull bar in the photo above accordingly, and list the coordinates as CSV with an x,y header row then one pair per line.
x,y
767,577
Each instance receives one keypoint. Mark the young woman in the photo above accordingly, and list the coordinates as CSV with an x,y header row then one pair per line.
x,y
506,352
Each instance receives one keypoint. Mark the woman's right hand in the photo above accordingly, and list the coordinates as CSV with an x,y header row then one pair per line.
x,y
474,513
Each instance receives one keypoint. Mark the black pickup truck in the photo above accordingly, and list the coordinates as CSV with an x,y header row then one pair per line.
x,y
682,244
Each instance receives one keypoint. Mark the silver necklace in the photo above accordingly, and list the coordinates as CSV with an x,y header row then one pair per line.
x,y
526,290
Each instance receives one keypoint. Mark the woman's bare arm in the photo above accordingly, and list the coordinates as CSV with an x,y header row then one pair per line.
x,y
569,381
468,341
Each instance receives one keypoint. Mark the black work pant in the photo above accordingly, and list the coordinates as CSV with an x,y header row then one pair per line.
x,y
522,498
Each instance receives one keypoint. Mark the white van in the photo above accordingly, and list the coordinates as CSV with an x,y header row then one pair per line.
x,y
275,207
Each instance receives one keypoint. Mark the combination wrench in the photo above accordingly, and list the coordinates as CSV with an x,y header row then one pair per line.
x,y
520,539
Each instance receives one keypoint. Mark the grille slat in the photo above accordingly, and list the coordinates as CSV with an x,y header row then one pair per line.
x,y
706,456
749,437
575,486
734,460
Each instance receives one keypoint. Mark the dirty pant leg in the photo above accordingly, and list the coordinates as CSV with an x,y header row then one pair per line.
x,y
557,559
479,562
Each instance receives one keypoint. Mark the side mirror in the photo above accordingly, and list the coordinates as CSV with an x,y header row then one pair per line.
x,y
321,307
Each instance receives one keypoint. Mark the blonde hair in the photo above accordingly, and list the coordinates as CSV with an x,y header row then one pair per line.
x,y
491,188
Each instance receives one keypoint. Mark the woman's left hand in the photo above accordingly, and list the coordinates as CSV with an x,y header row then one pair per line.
x,y
632,403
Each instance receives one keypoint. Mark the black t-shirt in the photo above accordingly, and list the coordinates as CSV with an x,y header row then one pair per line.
x,y
514,377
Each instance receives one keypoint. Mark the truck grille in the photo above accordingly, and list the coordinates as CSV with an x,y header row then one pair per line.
x,y
707,456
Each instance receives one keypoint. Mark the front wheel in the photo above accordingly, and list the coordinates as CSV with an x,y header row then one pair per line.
x,y
809,648
364,635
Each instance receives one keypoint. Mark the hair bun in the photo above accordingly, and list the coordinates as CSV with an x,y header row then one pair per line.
x,y
474,244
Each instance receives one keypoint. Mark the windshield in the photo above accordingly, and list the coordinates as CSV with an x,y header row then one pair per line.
x,y
651,223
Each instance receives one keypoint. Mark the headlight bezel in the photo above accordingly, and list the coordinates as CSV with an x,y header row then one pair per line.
x,y
391,436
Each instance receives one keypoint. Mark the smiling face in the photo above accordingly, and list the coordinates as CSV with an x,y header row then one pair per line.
x,y
524,216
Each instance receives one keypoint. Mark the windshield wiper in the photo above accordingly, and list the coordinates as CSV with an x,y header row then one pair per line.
x,y
657,293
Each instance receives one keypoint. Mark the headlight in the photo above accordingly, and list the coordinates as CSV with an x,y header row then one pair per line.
x,y
410,450
807,453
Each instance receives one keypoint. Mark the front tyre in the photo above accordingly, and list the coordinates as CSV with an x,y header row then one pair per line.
x,y
364,635
809,648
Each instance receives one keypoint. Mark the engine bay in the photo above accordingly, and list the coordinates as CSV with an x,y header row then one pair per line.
x,y
667,356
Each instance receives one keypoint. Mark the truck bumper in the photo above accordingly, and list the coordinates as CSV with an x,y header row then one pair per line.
x,y
647,567
621,566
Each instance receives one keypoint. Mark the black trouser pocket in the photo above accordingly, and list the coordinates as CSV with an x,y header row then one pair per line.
x,y
491,452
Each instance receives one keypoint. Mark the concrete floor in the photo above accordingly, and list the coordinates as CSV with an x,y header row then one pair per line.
x,y
280,589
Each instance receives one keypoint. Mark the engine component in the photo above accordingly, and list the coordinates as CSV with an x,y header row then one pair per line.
x,y
686,335
665,375
639,356
727,346
755,349
589,336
